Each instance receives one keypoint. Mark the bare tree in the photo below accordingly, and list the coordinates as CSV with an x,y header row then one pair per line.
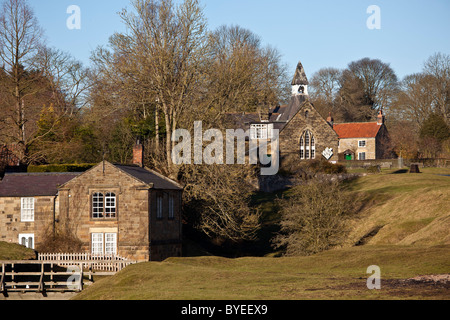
x,y
313,218
169,41
415,99
242,75
378,80
20,37
217,201
325,84
438,66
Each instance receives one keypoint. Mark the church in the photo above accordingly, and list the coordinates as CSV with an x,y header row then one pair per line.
x,y
306,135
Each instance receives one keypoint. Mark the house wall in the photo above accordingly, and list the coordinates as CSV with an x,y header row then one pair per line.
x,y
10,219
325,136
132,217
353,144
383,144
165,232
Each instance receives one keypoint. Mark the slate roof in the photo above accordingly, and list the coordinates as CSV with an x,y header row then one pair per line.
x,y
241,120
292,108
357,129
33,184
149,177
300,76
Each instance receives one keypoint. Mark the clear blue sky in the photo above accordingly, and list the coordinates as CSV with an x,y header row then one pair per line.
x,y
320,33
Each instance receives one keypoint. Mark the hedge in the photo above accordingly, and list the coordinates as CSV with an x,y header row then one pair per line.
x,y
60,167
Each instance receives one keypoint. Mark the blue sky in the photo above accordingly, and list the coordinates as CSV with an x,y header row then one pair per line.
x,y
320,33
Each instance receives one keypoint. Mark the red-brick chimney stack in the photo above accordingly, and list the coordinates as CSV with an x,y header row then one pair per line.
x,y
138,154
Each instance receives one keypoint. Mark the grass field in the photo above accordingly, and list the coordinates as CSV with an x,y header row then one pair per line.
x,y
336,274
402,225
402,208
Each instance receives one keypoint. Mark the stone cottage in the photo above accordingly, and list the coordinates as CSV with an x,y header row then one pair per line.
x,y
363,140
126,210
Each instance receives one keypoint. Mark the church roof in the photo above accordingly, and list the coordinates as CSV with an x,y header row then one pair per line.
x,y
300,76
292,108
357,129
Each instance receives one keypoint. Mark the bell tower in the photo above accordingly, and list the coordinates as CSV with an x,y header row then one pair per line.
x,y
300,81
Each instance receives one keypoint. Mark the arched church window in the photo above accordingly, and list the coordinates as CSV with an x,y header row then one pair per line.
x,y
307,145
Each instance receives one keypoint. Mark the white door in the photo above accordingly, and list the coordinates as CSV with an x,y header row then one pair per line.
x,y
27,240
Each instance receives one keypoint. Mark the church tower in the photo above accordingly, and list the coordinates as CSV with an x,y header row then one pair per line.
x,y
300,82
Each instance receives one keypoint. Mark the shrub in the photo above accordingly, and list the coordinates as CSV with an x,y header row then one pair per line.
x,y
60,167
313,218
61,242
374,169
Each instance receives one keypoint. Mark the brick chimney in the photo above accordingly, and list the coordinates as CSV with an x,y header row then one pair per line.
x,y
138,154
330,119
380,117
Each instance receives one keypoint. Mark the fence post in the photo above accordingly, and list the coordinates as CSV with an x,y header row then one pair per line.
x,y
2,280
81,277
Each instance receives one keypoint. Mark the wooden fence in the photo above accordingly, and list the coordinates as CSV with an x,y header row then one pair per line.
x,y
110,263
57,272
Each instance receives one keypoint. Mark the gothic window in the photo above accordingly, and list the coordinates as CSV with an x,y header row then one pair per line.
x,y
307,145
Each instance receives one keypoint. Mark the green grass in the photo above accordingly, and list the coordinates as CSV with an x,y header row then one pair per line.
x,y
336,274
412,209
12,251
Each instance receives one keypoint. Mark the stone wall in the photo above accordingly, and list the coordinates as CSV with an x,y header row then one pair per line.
x,y
141,235
10,219
132,214
165,232
307,118
353,145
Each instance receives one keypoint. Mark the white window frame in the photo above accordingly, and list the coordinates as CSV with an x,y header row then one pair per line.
x,y
362,143
27,209
97,243
103,243
359,156
104,205
110,243
110,205
24,239
159,207
259,131
97,205
307,145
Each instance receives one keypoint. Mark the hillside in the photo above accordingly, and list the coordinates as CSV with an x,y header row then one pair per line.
x,y
402,208
13,251
401,225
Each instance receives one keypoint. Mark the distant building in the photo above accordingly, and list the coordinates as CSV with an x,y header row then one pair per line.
x,y
306,135
362,140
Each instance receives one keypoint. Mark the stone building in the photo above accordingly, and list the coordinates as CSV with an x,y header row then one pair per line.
x,y
305,135
126,210
363,140
29,205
